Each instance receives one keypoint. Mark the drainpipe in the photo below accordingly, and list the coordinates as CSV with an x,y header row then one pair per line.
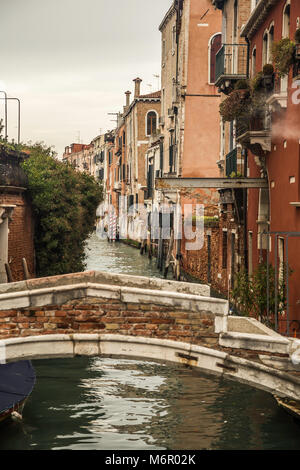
x,y
245,192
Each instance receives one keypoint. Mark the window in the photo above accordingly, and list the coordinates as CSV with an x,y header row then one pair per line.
x,y
163,51
151,122
215,44
270,45
253,65
286,20
265,49
235,21
173,38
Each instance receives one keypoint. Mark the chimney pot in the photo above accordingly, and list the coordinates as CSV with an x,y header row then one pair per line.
x,y
137,90
127,93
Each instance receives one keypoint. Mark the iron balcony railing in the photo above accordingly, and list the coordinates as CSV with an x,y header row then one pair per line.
x,y
231,61
231,163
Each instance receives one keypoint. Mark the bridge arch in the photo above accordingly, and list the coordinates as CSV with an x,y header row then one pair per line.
x,y
205,359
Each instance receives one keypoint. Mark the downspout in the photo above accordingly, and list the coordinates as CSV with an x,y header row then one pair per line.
x,y
245,192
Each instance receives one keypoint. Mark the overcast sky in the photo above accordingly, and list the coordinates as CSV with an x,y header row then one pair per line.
x,y
70,62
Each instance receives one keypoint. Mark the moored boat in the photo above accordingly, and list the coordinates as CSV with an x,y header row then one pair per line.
x,y
16,384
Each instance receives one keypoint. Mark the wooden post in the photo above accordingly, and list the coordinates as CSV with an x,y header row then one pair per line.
x,y
25,269
8,273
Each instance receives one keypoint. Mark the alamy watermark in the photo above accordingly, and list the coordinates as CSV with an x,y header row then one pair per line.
x,y
162,222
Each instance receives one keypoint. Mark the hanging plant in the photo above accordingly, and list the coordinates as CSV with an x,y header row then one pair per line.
x,y
268,77
257,82
242,85
234,106
284,56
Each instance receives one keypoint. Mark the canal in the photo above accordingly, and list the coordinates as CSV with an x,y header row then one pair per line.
x,y
122,404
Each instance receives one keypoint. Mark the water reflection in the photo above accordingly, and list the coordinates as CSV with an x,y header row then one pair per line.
x,y
97,403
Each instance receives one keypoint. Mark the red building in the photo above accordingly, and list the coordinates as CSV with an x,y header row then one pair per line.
x,y
274,154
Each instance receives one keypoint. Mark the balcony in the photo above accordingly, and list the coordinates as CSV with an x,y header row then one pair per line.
x,y
231,163
257,137
231,66
117,186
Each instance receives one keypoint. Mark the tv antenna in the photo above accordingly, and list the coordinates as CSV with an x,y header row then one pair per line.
x,y
157,78
114,114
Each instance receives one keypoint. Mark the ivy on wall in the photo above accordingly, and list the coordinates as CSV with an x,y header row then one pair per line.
x,y
64,204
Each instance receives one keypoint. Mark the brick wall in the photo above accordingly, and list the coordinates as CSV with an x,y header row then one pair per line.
x,y
96,315
195,262
21,234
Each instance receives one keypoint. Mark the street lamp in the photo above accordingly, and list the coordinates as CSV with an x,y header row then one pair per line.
x,y
19,114
5,120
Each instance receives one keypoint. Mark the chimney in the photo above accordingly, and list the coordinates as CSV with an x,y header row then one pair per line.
x,y
137,90
127,93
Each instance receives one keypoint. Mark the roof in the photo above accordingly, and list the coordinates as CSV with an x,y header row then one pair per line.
x,y
155,94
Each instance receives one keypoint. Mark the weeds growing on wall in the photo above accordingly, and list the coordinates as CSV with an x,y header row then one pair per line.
x,y
64,203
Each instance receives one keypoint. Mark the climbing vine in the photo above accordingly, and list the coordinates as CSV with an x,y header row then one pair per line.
x,y
64,203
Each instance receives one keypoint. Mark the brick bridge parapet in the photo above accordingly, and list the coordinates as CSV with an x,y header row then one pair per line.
x,y
98,313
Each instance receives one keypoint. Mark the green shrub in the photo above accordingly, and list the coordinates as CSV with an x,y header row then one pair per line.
x,y
234,106
257,82
283,53
64,203
242,85
250,294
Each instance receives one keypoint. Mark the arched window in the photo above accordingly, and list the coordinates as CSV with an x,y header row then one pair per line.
x,y
286,20
253,65
235,21
215,44
265,49
270,45
151,122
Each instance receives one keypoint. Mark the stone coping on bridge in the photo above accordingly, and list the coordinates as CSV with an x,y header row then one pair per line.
x,y
60,294
98,277
206,359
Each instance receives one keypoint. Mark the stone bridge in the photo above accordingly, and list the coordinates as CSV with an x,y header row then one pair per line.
x,y
101,314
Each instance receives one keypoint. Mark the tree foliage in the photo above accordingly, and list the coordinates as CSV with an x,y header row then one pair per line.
x,y
64,203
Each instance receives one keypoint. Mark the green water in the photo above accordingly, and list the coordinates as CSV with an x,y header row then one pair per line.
x,y
102,403
114,404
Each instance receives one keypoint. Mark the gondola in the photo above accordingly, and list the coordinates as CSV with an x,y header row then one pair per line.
x,y
16,384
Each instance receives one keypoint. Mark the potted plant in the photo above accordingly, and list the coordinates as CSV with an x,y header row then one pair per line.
x,y
284,56
268,76
234,106
257,82
243,88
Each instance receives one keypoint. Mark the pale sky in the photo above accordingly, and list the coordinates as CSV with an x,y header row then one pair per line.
x,y
71,61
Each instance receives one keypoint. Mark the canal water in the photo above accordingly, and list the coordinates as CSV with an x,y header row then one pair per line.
x,y
122,404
